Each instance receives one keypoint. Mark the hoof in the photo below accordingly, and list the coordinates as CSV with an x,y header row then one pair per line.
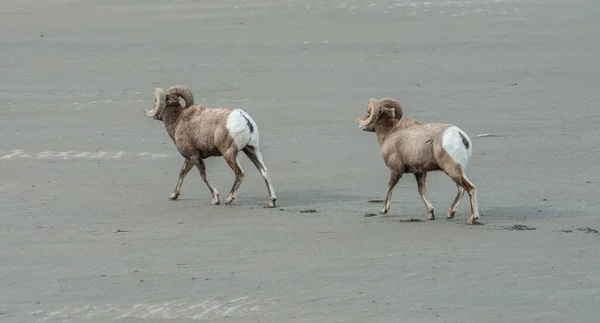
x,y
216,202
430,215
383,211
173,196
272,203
228,200
473,220
451,215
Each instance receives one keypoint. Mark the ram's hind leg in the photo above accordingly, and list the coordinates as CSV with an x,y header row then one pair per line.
x,y
470,188
394,178
458,176
454,206
429,210
256,157
231,159
187,165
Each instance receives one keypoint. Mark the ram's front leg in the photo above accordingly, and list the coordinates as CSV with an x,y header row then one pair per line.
x,y
394,178
197,160
429,210
187,165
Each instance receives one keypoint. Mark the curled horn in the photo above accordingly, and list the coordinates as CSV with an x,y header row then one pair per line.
x,y
159,104
372,113
391,103
183,92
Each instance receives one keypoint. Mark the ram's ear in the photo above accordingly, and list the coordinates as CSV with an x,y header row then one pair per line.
x,y
386,112
389,103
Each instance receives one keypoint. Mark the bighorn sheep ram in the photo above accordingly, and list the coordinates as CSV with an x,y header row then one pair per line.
x,y
410,146
199,133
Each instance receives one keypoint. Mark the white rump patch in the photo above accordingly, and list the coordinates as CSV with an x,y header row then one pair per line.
x,y
237,125
454,146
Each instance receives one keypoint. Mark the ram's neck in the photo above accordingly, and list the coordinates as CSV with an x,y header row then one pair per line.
x,y
170,117
383,129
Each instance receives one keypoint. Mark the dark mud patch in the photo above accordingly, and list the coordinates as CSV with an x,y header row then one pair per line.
x,y
376,201
465,223
309,211
519,227
565,231
368,215
408,220
588,230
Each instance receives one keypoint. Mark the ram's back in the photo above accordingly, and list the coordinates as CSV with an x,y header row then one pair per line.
x,y
413,147
203,129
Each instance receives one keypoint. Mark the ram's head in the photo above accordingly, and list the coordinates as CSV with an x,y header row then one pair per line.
x,y
169,98
377,111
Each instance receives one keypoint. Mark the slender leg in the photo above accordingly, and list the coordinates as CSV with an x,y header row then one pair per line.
x,y
187,165
429,210
213,191
457,175
256,158
470,188
454,206
394,178
231,159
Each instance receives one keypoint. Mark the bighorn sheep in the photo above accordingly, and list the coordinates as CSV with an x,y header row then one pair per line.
x,y
199,133
410,146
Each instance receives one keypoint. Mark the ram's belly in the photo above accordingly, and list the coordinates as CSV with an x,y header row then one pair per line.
x,y
203,143
420,164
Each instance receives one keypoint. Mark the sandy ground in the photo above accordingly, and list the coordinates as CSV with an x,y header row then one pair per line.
x,y
79,161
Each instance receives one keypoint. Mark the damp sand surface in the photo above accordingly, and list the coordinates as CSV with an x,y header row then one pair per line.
x,y
88,231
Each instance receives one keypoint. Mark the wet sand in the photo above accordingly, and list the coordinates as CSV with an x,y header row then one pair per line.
x,y
88,232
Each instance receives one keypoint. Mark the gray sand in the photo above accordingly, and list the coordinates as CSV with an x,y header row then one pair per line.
x,y
78,160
